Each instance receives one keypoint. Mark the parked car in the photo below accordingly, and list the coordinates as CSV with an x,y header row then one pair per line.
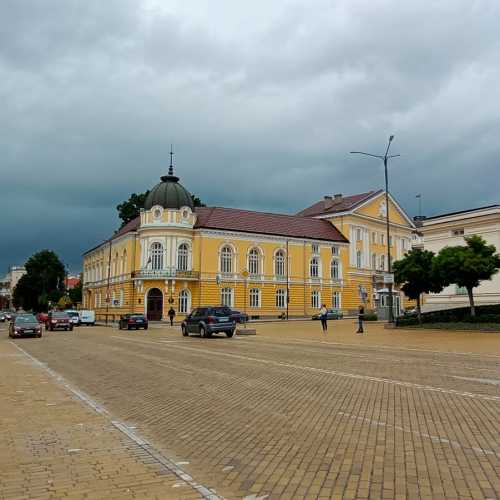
x,y
331,314
73,316
237,316
42,317
25,324
59,321
208,320
8,315
87,317
136,321
2,317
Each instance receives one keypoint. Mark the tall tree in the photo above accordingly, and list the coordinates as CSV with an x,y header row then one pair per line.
x,y
75,293
415,274
467,265
130,209
43,281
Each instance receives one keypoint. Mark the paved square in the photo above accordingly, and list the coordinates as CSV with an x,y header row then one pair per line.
x,y
291,413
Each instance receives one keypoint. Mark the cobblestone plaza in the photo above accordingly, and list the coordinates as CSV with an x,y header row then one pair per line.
x,y
289,413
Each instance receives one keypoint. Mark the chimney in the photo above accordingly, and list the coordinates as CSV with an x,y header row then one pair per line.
x,y
337,196
327,201
419,220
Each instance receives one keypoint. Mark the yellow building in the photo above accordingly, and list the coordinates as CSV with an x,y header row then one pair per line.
x,y
362,219
180,256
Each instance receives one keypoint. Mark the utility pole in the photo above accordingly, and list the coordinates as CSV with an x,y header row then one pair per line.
x,y
385,159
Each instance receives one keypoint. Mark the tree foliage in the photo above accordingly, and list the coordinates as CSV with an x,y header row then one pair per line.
x,y
75,293
43,282
467,265
130,209
416,275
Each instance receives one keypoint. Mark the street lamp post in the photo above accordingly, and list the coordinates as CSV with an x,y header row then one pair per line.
x,y
385,159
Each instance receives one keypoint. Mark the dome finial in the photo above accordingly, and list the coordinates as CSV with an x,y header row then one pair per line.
x,y
171,167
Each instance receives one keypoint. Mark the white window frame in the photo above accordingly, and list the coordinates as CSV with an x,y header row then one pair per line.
x,y
254,298
314,267
280,264
337,300
226,260
315,248
359,259
280,296
254,262
315,299
184,301
336,269
157,252
183,257
227,297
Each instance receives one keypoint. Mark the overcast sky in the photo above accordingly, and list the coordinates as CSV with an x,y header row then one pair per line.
x,y
262,101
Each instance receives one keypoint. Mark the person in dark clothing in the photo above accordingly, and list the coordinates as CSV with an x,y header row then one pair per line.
x,y
361,315
323,316
171,315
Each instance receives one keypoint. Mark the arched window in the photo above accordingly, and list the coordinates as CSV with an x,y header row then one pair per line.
x,y
156,256
254,297
279,264
226,260
314,268
253,262
281,298
315,299
182,257
184,301
335,270
227,297
359,259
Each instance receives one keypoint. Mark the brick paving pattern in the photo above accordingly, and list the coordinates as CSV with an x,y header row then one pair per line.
x,y
291,413
52,446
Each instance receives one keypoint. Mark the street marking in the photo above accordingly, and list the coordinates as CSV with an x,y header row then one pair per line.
x,y
165,461
356,376
435,439
480,380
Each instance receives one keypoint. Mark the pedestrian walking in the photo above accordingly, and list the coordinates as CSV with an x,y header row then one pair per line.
x,y
171,315
323,316
361,316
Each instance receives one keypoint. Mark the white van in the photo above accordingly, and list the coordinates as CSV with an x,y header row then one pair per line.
x,y
87,317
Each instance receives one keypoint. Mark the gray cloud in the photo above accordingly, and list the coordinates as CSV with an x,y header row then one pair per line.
x,y
262,102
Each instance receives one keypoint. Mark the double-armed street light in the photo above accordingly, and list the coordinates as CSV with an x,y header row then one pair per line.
x,y
385,159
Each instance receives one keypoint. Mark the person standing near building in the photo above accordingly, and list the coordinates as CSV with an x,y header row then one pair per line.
x,y
323,316
171,315
361,316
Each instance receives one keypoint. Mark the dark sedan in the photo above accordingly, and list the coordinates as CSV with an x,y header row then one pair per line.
x,y
331,314
135,321
25,325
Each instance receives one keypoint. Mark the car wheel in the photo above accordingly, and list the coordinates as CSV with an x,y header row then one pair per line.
x,y
203,332
230,333
70,328
128,327
184,331
119,326
51,328
146,327
39,335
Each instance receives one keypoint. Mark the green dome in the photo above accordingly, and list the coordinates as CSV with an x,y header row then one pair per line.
x,y
169,194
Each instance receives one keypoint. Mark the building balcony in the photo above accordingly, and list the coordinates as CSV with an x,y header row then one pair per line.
x,y
166,274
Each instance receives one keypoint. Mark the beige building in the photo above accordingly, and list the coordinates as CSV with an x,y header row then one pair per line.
x,y
449,230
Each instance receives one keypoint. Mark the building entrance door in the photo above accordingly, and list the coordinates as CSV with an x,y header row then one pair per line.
x,y
155,304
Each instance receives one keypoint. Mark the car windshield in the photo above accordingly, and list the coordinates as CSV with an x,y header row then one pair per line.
x,y
26,318
59,315
73,314
140,316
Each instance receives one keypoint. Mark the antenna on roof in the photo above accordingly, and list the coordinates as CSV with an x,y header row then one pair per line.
x,y
171,167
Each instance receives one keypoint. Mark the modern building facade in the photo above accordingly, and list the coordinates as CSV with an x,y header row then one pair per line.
x,y
176,255
449,230
362,219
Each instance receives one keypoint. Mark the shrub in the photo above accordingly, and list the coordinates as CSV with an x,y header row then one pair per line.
x,y
370,317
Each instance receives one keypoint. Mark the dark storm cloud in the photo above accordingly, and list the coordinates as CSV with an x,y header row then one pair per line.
x,y
262,103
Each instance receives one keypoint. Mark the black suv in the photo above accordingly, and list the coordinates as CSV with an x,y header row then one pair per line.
x,y
208,320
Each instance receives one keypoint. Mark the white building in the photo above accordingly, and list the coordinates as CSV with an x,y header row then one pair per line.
x,y
8,283
449,230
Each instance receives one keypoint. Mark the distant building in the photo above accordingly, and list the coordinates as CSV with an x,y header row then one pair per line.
x,y
71,281
8,283
449,230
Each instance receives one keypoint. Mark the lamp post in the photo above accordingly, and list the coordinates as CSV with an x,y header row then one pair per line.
x,y
385,159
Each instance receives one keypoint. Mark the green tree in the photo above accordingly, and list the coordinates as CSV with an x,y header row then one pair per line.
x,y
130,209
467,265
75,294
43,282
415,274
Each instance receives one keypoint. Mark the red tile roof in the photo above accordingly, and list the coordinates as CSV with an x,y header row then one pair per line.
x,y
334,205
234,219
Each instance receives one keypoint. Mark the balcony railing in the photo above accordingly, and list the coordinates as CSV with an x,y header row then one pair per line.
x,y
168,273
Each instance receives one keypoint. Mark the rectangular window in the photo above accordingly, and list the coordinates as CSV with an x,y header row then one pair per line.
x,y
358,234
254,297
390,241
227,297
457,232
315,299
374,238
336,300
335,251
359,259
315,249
460,290
281,298
382,238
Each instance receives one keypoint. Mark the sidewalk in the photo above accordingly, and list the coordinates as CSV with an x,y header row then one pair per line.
x,y
54,446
